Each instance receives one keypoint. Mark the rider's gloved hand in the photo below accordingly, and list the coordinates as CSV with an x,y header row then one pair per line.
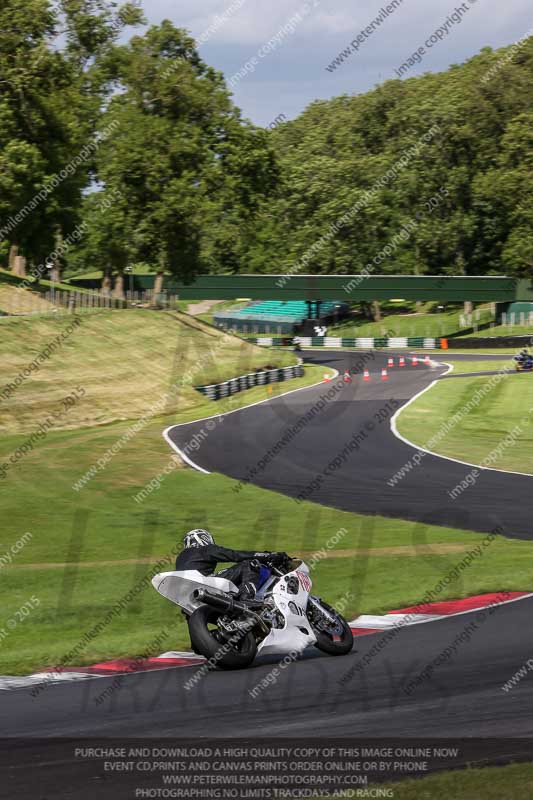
x,y
278,558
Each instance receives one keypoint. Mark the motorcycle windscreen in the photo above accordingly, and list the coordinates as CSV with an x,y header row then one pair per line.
x,y
178,587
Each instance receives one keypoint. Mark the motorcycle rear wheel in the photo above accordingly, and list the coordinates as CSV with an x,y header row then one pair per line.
x,y
226,655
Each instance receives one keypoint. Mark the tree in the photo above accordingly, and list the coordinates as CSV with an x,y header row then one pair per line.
x,y
50,100
505,195
191,172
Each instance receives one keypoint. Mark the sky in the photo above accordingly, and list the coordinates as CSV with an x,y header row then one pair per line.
x,y
274,53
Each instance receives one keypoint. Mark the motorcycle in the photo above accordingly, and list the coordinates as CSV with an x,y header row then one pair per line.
x,y
523,363
284,617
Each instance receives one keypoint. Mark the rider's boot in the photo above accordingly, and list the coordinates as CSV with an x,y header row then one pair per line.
x,y
248,591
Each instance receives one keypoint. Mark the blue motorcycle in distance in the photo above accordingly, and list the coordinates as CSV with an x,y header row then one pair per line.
x,y
524,362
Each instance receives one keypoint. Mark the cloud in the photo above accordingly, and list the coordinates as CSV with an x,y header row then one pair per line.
x,y
247,21
337,22
294,72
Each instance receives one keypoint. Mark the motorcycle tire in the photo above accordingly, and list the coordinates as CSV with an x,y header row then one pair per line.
x,y
327,644
218,653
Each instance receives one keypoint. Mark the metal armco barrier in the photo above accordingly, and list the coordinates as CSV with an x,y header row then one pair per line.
x,y
215,391
364,342
492,341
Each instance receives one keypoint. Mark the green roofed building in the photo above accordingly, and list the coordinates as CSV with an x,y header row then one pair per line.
x,y
280,317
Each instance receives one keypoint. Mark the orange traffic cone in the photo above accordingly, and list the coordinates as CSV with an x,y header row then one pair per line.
x,y
402,361
384,376
427,361
366,375
347,377
390,362
414,361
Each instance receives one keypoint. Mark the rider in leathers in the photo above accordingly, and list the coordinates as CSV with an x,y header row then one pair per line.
x,y
202,554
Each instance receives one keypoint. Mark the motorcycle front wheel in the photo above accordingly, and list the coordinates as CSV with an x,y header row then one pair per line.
x,y
237,652
334,638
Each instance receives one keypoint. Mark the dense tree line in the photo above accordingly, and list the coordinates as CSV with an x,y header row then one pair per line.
x,y
428,175
113,154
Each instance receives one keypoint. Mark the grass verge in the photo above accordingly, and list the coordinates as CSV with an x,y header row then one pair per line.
x,y
512,782
499,405
460,367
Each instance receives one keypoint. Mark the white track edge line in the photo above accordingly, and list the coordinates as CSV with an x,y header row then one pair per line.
x,y
86,676
398,435
181,454
193,464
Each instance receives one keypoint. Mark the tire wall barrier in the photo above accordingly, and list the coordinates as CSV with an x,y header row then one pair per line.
x,y
214,391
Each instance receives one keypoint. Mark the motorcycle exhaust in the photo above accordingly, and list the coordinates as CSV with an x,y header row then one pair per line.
x,y
216,601
229,606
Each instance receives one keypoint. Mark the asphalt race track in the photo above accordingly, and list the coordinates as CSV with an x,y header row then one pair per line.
x,y
319,697
460,699
360,412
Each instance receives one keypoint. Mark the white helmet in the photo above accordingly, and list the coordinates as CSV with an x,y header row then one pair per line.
x,y
198,538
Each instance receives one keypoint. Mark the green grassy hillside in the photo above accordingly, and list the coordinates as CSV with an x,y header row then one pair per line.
x,y
430,325
22,301
116,364
503,330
